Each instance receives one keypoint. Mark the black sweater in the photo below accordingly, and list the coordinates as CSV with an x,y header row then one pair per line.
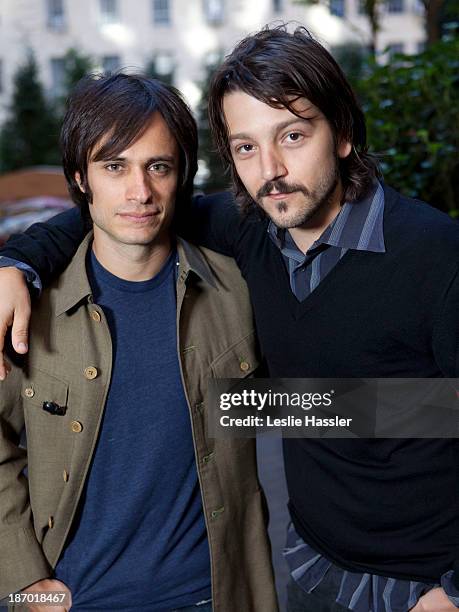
x,y
389,507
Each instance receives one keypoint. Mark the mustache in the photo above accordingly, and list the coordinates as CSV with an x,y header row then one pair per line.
x,y
281,186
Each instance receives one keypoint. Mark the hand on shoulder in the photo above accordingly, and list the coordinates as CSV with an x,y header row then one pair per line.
x,y
15,312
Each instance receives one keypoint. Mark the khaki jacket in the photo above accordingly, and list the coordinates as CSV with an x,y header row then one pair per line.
x,y
69,363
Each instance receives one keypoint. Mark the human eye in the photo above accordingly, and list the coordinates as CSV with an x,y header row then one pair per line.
x,y
159,168
113,167
294,137
244,149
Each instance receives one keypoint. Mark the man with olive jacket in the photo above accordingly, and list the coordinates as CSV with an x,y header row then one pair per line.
x,y
127,504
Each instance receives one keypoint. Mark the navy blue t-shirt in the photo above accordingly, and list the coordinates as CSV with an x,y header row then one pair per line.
x,y
139,540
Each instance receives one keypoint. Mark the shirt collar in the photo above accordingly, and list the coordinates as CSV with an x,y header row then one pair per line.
x,y
73,285
359,226
192,260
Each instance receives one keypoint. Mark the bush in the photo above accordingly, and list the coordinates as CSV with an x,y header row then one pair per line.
x,y
29,135
412,111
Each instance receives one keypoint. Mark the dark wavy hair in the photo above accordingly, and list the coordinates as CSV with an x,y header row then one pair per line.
x,y
119,107
278,67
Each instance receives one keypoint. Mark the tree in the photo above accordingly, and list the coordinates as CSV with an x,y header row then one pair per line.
x,y
353,60
433,10
216,178
29,136
441,20
77,65
436,13
371,9
412,111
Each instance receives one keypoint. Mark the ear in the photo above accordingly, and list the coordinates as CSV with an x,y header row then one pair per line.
x,y
344,148
78,180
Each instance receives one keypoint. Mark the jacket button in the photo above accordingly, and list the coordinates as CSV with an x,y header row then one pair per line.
x,y
51,522
29,392
90,372
65,476
216,513
76,426
95,316
207,458
244,366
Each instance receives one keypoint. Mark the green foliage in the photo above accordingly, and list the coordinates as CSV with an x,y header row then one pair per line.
x,y
412,111
29,136
77,65
217,179
353,60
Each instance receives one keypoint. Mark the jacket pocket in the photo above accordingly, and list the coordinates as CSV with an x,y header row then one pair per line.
x,y
239,360
50,442
46,392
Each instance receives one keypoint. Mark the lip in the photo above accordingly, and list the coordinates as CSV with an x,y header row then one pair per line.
x,y
280,196
138,217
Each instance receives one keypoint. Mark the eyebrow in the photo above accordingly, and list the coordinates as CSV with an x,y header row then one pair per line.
x,y
276,128
151,160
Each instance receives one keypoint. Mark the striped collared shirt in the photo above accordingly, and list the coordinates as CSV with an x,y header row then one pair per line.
x,y
359,226
359,592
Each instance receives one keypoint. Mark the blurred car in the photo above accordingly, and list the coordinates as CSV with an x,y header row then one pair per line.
x,y
17,216
31,195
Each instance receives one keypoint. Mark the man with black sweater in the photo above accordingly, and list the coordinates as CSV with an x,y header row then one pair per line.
x,y
347,279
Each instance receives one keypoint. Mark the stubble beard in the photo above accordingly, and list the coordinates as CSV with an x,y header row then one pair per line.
x,y
313,201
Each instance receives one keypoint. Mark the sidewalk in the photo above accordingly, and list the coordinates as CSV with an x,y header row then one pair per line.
x,y
271,472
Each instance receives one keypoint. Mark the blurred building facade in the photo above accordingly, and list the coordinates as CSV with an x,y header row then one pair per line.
x,y
180,37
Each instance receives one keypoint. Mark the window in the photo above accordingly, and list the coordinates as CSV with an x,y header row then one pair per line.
x,y
361,7
395,48
111,63
164,67
109,11
394,6
337,8
214,11
277,6
57,76
56,14
161,12
1,76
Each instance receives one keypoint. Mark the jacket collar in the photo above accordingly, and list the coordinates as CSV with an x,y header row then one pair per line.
x,y
73,285
192,260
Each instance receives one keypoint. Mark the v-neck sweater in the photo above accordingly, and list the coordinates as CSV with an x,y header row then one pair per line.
x,y
386,506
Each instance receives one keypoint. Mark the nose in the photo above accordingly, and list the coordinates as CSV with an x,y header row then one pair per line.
x,y
138,188
271,164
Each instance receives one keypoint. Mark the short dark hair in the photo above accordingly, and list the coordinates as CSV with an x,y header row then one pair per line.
x,y
279,67
120,106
